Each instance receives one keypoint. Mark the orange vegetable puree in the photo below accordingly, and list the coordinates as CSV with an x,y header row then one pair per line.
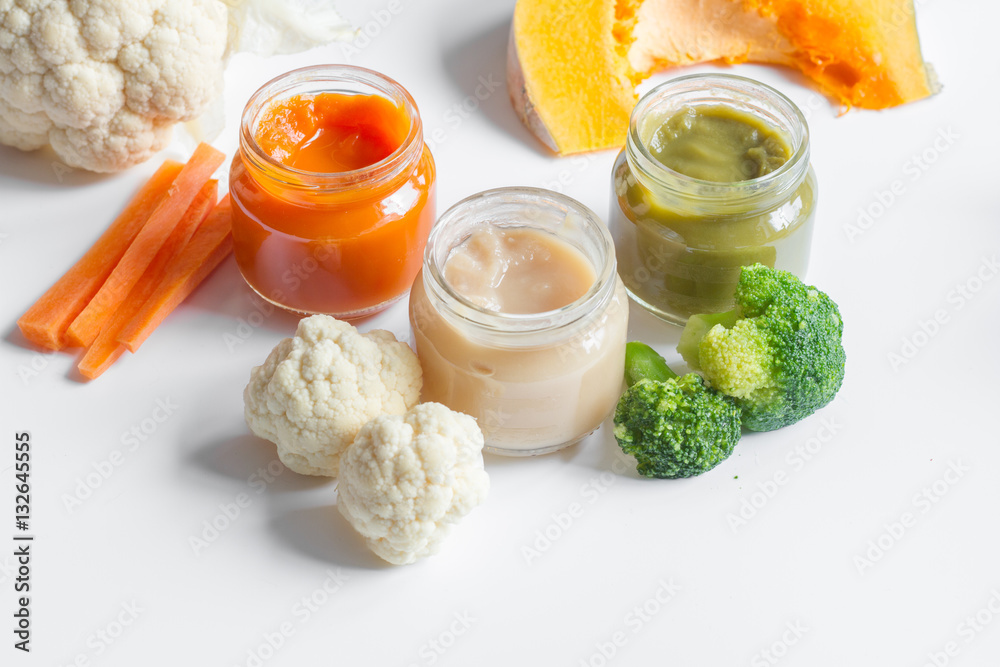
x,y
332,132
324,233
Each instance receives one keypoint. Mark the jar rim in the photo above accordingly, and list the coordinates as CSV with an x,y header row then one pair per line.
x,y
284,85
723,89
476,210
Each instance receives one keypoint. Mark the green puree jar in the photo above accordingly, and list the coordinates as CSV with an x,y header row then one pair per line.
x,y
681,238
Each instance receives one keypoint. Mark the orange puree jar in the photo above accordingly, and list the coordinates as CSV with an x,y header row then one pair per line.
x,y
332,191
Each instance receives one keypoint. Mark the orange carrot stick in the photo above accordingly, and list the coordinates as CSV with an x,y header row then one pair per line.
x,y
106,349
45,323
207,248
147,243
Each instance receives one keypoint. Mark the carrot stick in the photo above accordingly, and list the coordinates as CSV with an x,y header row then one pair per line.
x,y
99,357
45,323
140,253
106,349
207,248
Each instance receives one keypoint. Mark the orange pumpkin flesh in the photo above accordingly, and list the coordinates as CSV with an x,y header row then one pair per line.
x,y
573,64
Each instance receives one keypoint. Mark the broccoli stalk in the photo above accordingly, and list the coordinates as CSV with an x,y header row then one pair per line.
x,y
673,426
643,362
778,355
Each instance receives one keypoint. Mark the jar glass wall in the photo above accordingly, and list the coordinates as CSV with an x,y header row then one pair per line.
x,y
681,241
345,243
535,382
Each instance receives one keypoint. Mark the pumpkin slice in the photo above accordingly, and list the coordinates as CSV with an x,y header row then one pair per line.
x,y
573,64
863,53
567,74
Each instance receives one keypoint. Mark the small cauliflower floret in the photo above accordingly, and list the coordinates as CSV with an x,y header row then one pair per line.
x,y
316,390
407,479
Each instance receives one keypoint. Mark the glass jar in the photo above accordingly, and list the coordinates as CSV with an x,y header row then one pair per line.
x,y
535,382
681,241
345,243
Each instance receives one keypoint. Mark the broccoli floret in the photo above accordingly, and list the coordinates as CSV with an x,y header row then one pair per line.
x,y
673,426
778,354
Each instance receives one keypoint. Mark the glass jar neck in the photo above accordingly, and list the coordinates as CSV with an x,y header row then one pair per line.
x,y
532,208
372,181
675,190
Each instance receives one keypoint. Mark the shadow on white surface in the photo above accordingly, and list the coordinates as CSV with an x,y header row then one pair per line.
x,y
244,456
39,360
322,534
600,452
318,533
226,293
13,336
42,168
479,64
498,461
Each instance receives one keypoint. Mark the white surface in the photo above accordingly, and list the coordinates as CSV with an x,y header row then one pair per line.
x,y
897,432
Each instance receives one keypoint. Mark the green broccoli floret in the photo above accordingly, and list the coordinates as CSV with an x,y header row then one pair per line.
x,y
778,354
673,426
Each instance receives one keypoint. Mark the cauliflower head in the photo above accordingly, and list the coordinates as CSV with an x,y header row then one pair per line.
x,y
406,480
317,389
104,81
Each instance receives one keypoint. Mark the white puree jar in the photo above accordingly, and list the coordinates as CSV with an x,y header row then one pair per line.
x,y
535,382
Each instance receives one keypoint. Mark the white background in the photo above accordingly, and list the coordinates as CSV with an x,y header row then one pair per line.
x,y
666,568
